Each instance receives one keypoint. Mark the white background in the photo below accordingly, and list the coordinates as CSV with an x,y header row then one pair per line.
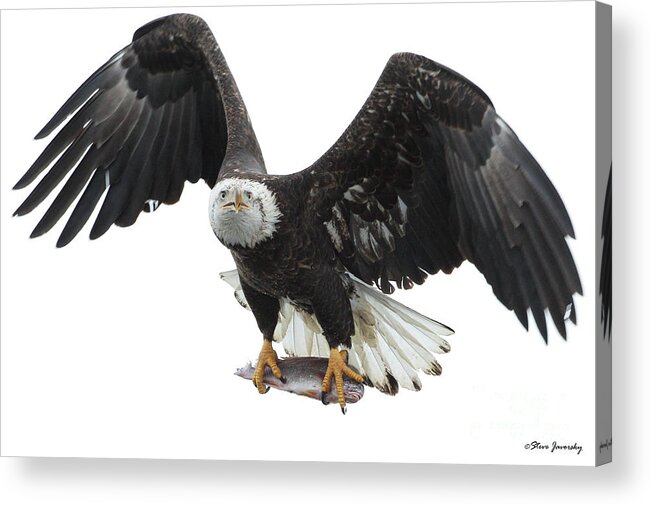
x,y
126,346
32,481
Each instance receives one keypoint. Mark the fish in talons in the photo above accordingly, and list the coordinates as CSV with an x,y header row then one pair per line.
x,y
304,376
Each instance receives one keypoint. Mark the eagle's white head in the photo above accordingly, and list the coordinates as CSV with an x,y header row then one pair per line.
x,y
243,212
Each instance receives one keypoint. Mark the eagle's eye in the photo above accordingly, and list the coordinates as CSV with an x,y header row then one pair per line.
x,y
222,195
248,195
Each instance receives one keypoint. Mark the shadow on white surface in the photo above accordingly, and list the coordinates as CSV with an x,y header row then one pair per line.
x,y
362,476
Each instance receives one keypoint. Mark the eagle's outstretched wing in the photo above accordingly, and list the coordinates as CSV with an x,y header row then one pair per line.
x,y
428,175
151,118
606,275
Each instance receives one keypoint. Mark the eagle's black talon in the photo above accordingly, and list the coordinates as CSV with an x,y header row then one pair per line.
x,y
343,410
324,400
283,380
255,384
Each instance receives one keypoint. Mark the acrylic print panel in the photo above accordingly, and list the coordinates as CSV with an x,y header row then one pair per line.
x,y
126,346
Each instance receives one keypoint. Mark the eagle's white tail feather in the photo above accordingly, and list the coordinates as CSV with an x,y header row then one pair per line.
x,y
303,336
298,333
373,366
286,327
392,342
407,355
416,344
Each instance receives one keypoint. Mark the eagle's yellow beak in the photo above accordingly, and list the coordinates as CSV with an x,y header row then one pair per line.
x,y
239,203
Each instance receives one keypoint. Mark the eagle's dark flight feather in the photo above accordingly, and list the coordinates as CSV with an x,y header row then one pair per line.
x,y
151,118
428,175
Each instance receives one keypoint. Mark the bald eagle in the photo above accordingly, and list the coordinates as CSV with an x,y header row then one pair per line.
x,y
426,176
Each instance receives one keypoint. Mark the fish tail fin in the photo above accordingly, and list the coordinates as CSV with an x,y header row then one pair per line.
x,y
246,371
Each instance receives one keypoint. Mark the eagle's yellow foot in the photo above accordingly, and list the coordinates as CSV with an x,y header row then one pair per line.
x,y
266,358
337,367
